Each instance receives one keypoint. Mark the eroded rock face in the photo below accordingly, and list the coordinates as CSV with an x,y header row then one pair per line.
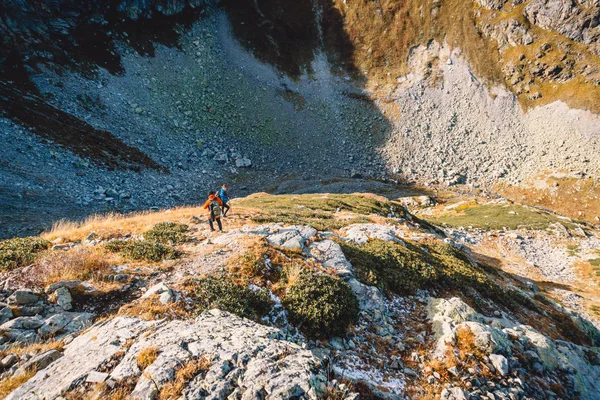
x,y
246,358
578,20
500,339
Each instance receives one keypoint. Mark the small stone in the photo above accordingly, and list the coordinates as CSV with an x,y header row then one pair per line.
x,y
453,394
500,363
96,377
166,297
243,162
9,361
453,371
5,314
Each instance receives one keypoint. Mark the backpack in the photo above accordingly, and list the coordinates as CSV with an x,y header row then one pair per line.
x,y
215,209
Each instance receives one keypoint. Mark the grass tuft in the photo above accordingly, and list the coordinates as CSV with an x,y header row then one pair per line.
x,y
146,357
172,390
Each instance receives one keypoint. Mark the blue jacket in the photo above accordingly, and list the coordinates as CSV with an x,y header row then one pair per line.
x,y
223,195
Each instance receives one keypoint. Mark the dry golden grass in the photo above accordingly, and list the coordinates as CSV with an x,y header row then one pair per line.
x,y
121,391
10,384
172,390
81,263
36,348
151,309
114,225
384,32
146,357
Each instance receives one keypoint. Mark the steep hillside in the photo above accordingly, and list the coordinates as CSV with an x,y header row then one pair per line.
x,y
321,296
131,105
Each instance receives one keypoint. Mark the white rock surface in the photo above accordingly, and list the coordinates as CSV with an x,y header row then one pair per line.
x,y
244,357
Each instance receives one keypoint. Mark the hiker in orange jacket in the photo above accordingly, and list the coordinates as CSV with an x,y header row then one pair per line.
x,y
214,205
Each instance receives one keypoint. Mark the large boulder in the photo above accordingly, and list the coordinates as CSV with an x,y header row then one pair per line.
x,y
246,359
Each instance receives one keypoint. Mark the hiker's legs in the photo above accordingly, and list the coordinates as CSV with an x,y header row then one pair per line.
x,y
210,223
225,209
219,223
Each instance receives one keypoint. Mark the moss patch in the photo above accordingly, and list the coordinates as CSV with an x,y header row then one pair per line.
x,y
316,210
492,216
19,252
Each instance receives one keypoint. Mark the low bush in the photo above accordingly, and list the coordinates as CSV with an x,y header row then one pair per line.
x,y
224,294
142,250
403,269
19,252
321,305
167,233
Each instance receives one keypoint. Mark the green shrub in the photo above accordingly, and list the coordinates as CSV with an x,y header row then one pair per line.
x,y
167,233
142,250
321,305
402,270
224,294
19,252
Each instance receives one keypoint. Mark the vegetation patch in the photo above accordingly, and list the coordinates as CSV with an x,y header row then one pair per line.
x,y
226,295
146,357
495,217
8,385
76,264
403,269
172,390
19,252
142,250
316,210
151,309
168,233
321,305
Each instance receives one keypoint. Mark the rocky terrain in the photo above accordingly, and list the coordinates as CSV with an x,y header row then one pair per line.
x,y
431,232
138,105
356,298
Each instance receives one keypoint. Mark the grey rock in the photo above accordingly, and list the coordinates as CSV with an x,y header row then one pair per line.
x,y
5,314
67,284
500,363
166,297
39,362
55,324
23,296
23,323
9,361
96,377
63,298
243,163
453,394
245,356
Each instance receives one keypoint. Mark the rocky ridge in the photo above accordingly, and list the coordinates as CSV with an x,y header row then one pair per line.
x,y
423,344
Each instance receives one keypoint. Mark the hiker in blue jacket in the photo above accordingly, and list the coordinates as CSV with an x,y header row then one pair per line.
x,y
225,199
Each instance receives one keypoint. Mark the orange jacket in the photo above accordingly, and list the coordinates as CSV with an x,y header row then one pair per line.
x,y
211,198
